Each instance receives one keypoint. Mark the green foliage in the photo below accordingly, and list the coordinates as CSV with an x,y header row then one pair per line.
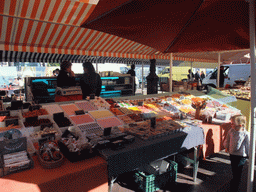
x,y
53,64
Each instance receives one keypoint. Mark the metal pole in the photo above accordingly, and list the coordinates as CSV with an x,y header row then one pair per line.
x,y
142,79
253,104
218,74
97,69
170,78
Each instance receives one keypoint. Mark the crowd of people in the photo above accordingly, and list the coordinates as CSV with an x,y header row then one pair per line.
x,y
196,77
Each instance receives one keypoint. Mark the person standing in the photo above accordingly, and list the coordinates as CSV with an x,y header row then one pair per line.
x,y
90,82
202,76
190,76
197,76
133,74
66,77
222,77
237,145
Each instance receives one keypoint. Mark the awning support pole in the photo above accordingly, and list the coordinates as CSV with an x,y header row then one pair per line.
x,y
97,69
142,79
253,89
170,78
218,74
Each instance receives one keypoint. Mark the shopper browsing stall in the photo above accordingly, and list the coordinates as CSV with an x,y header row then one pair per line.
x,y
133,74
90,82
66,77
190,75
237,145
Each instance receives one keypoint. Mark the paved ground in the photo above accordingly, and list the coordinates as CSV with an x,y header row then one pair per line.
x,y
214,175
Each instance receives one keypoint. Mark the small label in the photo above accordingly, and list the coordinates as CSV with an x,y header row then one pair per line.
x,y
153,122
34,107
11,122
4,113
107,131
58,115
79,112
31,119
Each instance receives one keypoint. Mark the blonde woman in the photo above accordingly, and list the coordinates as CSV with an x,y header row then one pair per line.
x,y
237,145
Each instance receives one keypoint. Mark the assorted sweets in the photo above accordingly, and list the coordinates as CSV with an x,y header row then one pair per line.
x,y
35,113
103,122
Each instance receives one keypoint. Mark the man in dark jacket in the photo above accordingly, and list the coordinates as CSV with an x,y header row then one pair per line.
x,y
132,73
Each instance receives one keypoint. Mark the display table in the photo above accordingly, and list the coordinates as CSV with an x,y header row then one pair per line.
x,y
214,138
87,175
145,151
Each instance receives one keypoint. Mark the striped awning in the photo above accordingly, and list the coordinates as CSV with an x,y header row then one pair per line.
x,y
13,56
46,26
49,31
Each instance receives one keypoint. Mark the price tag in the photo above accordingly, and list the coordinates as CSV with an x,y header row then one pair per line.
x,y
16,105
11,122
153,122
34,107
31,119
4,113
79,112
107,131
58,115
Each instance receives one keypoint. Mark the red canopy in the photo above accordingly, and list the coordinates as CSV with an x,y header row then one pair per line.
x,y
175,26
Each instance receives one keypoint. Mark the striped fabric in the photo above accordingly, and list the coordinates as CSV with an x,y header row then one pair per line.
x,y
12,56
46,26
49,31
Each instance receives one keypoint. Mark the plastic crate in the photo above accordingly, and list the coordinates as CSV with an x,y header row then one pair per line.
x,y
153,182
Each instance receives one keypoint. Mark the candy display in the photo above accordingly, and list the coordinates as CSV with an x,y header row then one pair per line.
x,y
125,110
101,114
100,103
34,113
54,108
126,119
90,128
135,117
36,122
81,119
242,93
109,122
17,159
144,131
116,111
49,155
47,130
10,127
69,109
86,106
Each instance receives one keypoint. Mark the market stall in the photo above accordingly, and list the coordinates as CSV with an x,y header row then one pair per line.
x,y
127,132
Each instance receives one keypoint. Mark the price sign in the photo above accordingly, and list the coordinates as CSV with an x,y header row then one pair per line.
x,y
31,119
4,113
79,112
11,122
58,115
